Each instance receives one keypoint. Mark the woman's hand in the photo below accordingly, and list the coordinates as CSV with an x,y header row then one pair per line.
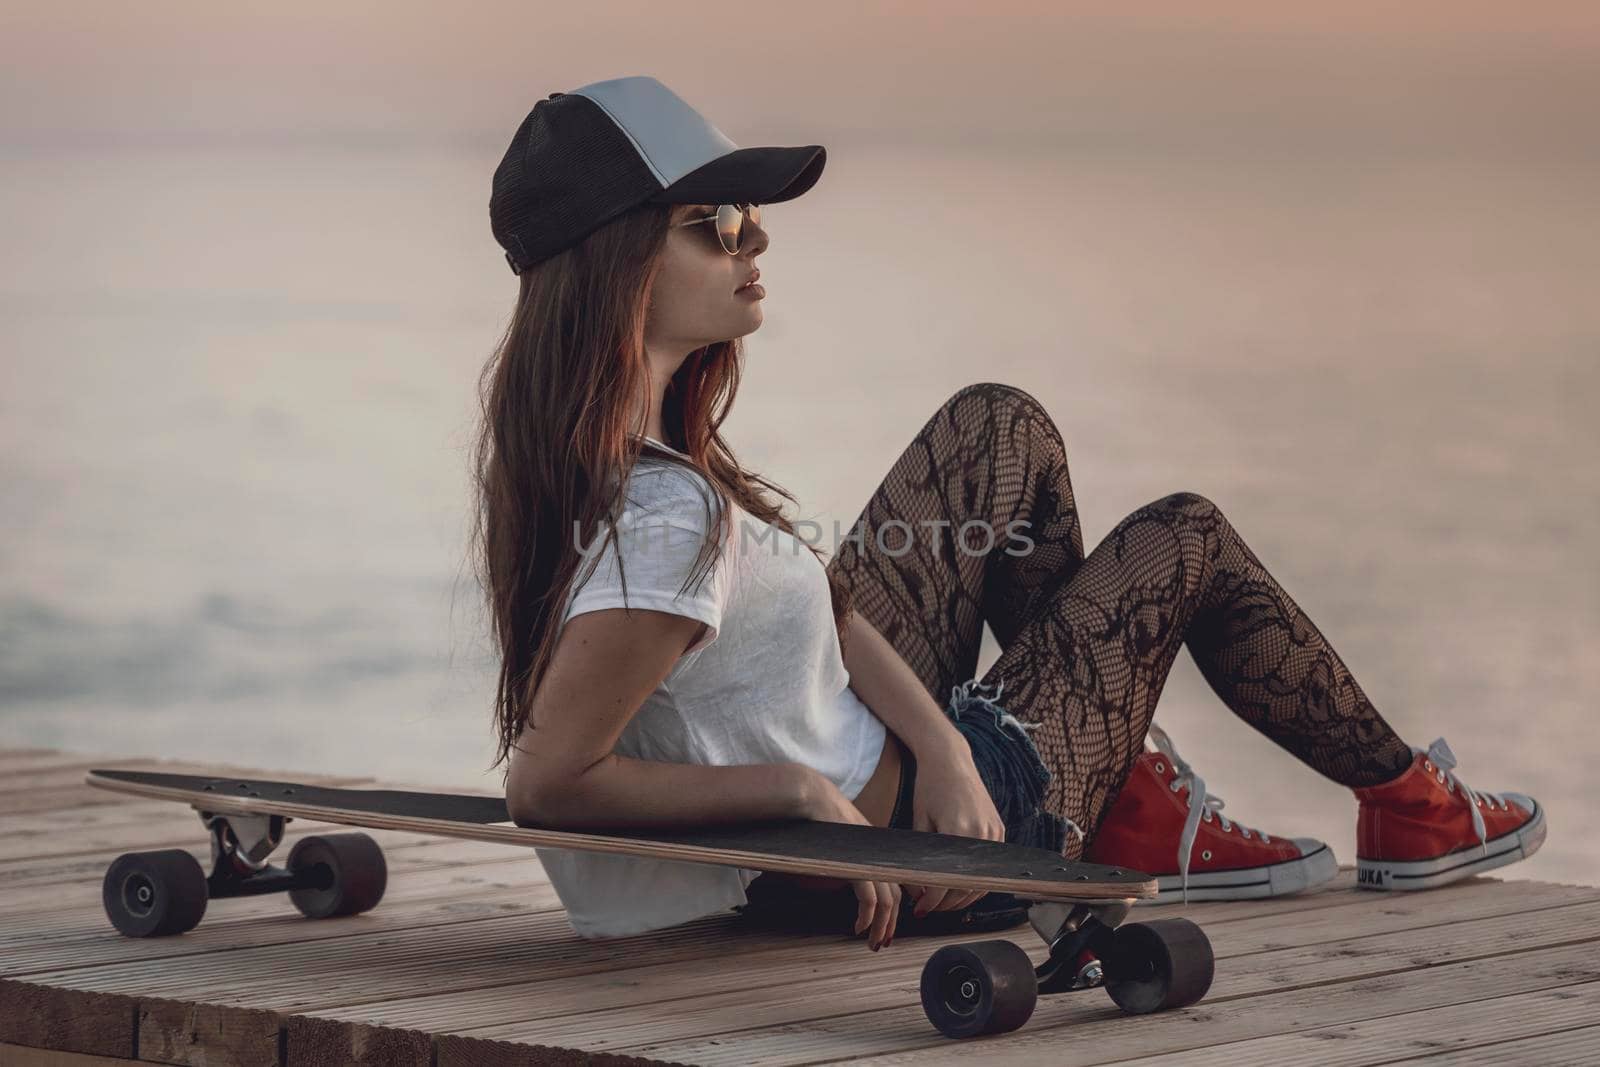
x,y
950,798
878,903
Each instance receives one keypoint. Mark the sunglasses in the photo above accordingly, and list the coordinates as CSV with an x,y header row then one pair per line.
x,y
730,223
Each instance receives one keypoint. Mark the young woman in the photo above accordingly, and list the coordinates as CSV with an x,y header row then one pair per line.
x,y
674,652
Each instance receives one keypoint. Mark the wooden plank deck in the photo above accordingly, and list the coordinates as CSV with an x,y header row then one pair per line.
x,y
468,960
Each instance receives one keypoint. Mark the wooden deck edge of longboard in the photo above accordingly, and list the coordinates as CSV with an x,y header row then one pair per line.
x,y
528,837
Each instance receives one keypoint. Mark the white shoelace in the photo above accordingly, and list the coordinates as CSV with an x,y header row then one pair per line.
x,y
1444,762
1201,804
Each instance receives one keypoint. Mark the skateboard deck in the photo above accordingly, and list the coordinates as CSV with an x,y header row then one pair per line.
x,y
793,846
967,989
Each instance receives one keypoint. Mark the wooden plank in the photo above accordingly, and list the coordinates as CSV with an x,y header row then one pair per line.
x,y
1411,911
193,1035
611,995
21,908
1578,1047
1094,1030
842,992
1101,1034
24,1056
845,967
87,939
345,1045
70,1020
300,968
846,992
221,985
642,983
615,993
29,885
375,967
1339,890
1397,1037
457,1051
879,1032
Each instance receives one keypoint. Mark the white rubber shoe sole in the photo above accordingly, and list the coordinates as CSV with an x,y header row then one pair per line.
x,y
1315,866
1462,863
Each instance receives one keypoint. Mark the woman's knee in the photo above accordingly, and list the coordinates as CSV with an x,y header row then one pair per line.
x,y
1185,520
1009,404
1189,503
992,395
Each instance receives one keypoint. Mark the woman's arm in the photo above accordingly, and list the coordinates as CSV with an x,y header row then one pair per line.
x,y
950,795
886,683
623,791
565,773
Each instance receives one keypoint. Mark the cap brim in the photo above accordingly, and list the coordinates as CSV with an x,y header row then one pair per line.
x,y
749,175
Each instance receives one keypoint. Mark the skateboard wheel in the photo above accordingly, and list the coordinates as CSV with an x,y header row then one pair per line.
x,y
982,987
352,877
154,894
1164,963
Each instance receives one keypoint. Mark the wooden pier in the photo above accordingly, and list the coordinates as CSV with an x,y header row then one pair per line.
x,y
469,961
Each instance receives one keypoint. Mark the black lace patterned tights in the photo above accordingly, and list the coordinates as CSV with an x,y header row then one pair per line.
x,y
1088,641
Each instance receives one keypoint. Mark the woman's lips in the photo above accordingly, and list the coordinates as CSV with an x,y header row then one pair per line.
x,y
754,289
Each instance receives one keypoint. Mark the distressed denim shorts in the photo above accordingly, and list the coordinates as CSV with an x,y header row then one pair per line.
x,y
1007,761
1015,777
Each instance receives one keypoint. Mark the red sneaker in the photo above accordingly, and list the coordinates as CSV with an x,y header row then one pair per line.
x,y
1164,822
1426,827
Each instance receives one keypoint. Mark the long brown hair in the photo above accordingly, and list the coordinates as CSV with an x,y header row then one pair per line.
x,y
558,398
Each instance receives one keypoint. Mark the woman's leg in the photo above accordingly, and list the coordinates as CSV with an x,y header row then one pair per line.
x,y
1088,641
1091,665
990,454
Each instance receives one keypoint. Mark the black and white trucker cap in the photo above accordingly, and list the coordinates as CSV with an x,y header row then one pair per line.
x,y
584,157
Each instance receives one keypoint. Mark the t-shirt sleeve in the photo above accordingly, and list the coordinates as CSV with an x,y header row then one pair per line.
x,y
659,544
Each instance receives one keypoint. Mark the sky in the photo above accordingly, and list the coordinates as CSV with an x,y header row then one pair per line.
x,y
1387,77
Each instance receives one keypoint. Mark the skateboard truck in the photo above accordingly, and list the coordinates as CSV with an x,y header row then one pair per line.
x,y
1079,937
240,848
245,840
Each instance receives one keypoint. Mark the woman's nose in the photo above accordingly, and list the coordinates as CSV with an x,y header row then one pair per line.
x,y
756,239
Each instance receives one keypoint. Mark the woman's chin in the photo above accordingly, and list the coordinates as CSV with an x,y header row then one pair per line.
x,y
743,324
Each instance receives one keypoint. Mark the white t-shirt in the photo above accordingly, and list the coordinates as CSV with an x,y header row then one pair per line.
x,y
766,683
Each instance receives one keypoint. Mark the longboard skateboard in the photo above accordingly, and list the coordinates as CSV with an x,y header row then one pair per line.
x,y
967,989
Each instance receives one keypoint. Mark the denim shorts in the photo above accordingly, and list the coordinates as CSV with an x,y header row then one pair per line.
x,y
1007,761
1014,775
